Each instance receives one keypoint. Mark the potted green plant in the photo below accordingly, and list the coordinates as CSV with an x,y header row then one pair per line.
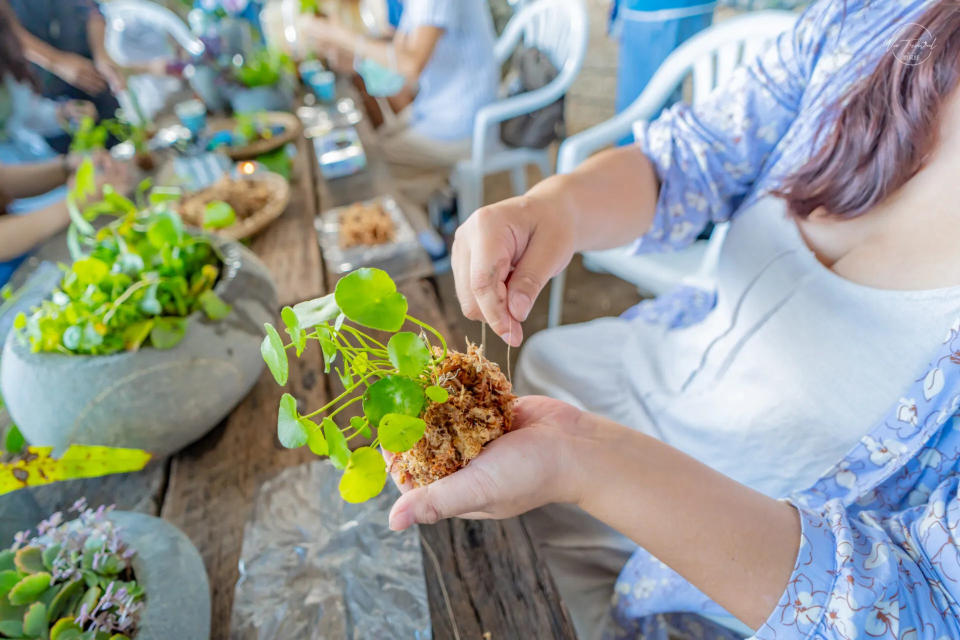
x,y
430,407
103,575
265,80
149,340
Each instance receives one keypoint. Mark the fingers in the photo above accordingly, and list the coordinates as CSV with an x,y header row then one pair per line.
x,y
539,262
466,492
489,269
460,264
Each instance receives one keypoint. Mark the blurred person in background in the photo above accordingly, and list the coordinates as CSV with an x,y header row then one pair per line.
x,y
65,38
442,53
648,31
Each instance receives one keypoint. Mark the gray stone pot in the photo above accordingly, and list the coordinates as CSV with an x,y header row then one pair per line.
x,y
157,400
171,572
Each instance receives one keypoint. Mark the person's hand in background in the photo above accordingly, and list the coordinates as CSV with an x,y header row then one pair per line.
x,y
111,72
71,112
79,71
531,466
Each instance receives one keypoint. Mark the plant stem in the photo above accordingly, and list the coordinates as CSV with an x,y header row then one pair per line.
x,y
340,397
443,343
344,406
124,297
362,336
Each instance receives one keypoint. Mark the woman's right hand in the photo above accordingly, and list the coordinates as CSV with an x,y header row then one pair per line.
x,y
80,72
505,253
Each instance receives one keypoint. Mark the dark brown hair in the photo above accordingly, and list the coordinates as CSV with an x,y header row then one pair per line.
x,y
885,131
12,60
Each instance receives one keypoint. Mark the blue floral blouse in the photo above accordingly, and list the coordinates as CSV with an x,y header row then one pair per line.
x,y
880,549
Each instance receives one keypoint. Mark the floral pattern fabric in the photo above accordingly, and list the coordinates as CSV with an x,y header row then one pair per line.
x,y
880,549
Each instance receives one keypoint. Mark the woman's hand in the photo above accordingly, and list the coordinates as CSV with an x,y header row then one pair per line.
x,y
111,72
324,33
504,255
533,465
80,72
72,112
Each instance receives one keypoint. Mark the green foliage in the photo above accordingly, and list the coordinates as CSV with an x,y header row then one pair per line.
x,y
88,136
71,581
133,282
392,381
218,215
264,67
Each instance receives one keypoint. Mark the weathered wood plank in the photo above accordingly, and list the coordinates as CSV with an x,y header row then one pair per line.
x,y
289,246
212,483
490,577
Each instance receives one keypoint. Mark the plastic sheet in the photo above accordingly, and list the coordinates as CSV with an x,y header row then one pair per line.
x,y
313,566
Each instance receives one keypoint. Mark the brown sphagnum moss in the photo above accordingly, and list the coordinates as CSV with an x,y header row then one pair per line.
x,y
479,410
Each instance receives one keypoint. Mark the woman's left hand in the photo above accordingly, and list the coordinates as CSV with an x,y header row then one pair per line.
x,y
533,465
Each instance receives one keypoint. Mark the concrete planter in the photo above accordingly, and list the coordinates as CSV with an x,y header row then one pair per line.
x,y
157,400
171,572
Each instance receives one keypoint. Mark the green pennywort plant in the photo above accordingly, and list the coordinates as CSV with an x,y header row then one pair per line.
x,y
133,282
390,378
72,580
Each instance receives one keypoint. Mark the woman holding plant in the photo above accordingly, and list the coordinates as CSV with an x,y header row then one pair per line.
x,y
698,432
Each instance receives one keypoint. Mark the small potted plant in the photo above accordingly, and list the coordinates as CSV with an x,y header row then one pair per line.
x,y
432,408
103,575
265,80
149,340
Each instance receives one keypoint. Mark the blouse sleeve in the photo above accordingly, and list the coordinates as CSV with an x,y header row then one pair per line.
x,y
857,576
708,157
429,13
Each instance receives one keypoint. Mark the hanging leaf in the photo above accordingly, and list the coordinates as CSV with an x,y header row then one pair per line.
x,y
408,353
292,324
168,332
336,443
312,313
291,432
370,298
38,467
398,433
273,353
361,425
364,477
315,440
392,394
213,305
437,394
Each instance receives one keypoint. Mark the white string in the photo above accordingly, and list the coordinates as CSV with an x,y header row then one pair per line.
x,y
443,586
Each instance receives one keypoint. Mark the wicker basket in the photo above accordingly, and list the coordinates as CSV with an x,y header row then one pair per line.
x,y
279,190
291,129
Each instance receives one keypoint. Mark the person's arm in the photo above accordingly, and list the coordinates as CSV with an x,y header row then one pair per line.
x,y
786,571
72,68
408,52
21,233
734,544
26,180
105,65
699,163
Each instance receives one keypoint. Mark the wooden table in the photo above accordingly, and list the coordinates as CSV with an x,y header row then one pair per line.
x,y
484,578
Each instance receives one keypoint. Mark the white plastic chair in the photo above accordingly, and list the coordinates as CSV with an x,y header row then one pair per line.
x,y
151,91
709,58
560,29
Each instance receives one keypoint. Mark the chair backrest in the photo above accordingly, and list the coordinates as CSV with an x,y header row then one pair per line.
x,y
709,58
119,13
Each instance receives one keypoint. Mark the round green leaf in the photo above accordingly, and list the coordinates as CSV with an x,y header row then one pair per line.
x,y
398,433
370,298
437,394
408,353
291,432
292,324
29,589
336,443
164,229
315,439
218,215
168,332
90,270
35,620
392,394
361,425
273,353
364,477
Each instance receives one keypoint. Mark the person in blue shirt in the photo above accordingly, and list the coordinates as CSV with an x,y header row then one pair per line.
x,y
648,31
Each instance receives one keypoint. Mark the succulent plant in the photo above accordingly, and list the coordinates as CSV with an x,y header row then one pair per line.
x,y
71,581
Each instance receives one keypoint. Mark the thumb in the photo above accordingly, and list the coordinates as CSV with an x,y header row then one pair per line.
x,y
539,263
463,492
